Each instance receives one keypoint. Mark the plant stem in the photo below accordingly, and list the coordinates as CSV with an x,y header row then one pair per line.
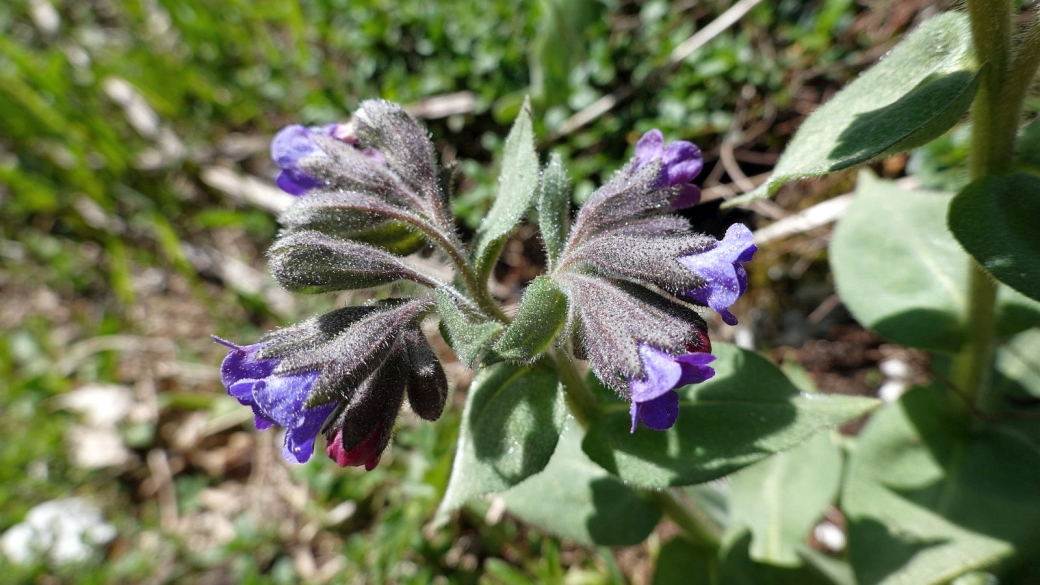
x,y
995,115
583,404
473,284
694,526
585,408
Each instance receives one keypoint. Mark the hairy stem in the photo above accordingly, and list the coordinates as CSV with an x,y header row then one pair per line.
x,y
582,403
994,124
462,266
585,408
695,526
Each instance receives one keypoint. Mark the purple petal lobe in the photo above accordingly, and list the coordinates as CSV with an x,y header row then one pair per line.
x,y
661,412
295,182
724,278
291,144
649,147
682,162
661,374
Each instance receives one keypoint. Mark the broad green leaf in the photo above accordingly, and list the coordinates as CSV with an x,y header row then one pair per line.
x,y
711,500
1027,147
781,498
468,340
510,425
681,563
554,210
574,498
913,95
997,220
747,412
901,273
542,314
736,567
927,501
1016,379
517,187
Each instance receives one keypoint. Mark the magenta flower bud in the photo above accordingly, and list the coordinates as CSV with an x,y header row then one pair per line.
x,y
366,453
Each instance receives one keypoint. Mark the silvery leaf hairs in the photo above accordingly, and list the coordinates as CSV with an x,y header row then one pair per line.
x,y
622,289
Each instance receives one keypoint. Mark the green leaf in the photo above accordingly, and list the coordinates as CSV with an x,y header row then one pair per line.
x,y
711,499
913,95
517,187
510,425
900,273
542,314
574,498
927,501
747,412
681,563
468,340
997,220
1027,147
736,567
554,210
1016,378
781,498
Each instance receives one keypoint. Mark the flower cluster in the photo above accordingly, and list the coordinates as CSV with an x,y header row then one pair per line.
x,y
368,193
627,267
345,373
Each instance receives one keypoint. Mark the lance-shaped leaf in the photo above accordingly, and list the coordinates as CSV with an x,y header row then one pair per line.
x,y
517,188
905,276
312,262
747,412
554,209
997,220
927,502
781,498
542,314
510,426
468,337
575,498
914,94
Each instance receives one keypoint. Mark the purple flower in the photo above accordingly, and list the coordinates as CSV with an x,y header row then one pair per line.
x,y
681,162
654,399
275,398
720,266
290,145
297,142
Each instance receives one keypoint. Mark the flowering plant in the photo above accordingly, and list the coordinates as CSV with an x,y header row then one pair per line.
x,y
627,294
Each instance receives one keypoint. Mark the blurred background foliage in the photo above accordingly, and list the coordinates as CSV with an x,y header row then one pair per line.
x,y
118,257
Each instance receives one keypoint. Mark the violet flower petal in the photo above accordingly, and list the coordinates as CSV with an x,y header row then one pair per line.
x,y
682,162
649,147
661,412
291,144
725,279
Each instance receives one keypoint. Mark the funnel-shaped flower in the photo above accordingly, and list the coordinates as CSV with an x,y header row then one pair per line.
x,y
654,399
720,266
276,398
